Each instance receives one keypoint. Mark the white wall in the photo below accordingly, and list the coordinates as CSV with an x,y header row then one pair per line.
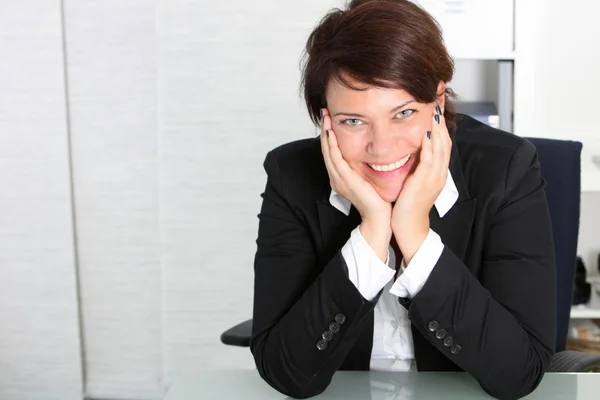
x,y
228,92
556,81
39,329
556,76
111,68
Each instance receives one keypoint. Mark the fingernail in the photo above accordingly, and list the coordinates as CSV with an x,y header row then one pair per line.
x,y
438,110
321,112
428,134
437,118
327,132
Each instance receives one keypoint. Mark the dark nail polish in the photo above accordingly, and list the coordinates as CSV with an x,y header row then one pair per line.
x,y
438,110
428,134
327,132
321,112
437,118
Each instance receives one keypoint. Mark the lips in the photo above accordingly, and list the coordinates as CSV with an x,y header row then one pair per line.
x,y
392,166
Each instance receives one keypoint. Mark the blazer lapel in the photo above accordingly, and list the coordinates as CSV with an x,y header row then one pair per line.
x,y
455,227
335,225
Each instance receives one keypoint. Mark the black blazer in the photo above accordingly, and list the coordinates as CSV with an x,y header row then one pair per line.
x,y
493,289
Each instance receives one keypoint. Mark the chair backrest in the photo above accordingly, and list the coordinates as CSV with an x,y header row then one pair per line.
x,y
560,162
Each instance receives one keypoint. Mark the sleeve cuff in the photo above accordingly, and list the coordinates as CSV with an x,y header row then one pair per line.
x,y
415,275
365,270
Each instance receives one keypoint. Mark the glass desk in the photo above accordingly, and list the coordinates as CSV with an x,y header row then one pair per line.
x,y
247,384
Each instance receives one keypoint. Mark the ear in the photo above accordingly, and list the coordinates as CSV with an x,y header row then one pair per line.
x,y
441,95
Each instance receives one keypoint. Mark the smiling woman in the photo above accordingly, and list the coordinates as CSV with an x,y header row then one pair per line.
x,y
379,131
399,43
405,237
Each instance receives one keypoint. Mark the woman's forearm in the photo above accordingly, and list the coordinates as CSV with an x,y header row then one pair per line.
x,y
294,354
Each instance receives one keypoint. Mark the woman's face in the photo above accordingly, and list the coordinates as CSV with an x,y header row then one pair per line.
x,y
379,132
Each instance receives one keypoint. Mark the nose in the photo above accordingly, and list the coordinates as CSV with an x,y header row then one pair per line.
x,y
382,140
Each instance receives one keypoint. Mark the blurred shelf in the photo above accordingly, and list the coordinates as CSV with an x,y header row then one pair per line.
x,y
582,312
510,56
592,309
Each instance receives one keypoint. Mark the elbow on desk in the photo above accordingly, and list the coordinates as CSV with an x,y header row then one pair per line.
x,y
517,382
295,390
277,370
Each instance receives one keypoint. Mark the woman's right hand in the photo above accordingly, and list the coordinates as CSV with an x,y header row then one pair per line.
x,y
375,212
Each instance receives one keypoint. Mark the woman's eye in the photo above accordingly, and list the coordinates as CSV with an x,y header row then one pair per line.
x,y
405,113
352,122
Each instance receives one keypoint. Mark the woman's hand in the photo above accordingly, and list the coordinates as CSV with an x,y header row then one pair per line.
x,y
410,216
374,211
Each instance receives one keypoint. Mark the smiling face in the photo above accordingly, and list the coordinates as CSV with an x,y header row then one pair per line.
x,y
379,132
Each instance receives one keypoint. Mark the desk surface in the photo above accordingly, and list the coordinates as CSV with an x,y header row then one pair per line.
x,y
247,384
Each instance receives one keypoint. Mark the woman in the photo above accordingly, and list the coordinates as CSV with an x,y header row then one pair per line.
x,y
405,237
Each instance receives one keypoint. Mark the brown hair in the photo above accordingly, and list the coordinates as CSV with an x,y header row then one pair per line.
x,y
381,43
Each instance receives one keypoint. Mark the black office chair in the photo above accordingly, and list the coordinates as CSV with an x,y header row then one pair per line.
x,y
560,162
561,168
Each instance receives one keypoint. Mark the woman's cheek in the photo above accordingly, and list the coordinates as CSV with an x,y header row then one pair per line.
x,y
350,146
417,131
421,128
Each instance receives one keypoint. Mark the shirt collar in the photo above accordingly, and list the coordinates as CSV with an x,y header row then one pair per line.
x,y
446,199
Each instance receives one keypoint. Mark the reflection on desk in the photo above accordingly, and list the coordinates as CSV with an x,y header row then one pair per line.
x,y
247,384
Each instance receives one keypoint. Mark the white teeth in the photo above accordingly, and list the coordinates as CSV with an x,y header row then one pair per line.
x,y
391,167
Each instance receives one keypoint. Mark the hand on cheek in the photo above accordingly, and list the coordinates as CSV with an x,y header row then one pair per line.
x,y
410,216
374,211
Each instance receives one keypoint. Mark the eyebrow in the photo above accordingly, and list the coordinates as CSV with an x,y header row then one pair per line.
x,y
362,116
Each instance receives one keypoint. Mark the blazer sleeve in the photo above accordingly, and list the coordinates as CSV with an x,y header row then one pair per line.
x,y
502,324
296,300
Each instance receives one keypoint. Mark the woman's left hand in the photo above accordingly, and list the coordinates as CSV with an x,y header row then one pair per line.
x,y
410,216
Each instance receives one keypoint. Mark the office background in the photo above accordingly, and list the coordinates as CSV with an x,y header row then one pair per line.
x,y
132,135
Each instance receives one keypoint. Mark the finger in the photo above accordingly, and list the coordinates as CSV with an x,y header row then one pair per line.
x,y
444,128
325,125
341,166
333,174
332,146
326,120
325,147
341,171
438,146
446,144
425,156
325,132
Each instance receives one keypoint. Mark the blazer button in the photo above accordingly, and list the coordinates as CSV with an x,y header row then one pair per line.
x,y
448,341
334,327
327,335
322,345
433,326
455,349
340,318
441,333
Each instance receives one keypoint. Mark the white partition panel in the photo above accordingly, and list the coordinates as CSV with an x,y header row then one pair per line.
x,y
39,329
556,76
112,82
229,91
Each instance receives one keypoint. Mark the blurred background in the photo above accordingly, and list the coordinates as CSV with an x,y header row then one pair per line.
x,y
132,136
